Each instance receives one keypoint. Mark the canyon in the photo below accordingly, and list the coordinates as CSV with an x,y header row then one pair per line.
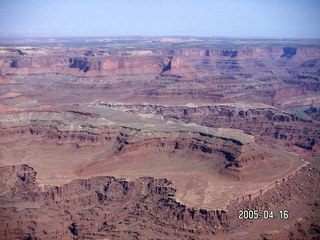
x,y
152,139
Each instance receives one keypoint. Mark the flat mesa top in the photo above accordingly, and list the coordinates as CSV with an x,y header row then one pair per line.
x,y
220,117
184,167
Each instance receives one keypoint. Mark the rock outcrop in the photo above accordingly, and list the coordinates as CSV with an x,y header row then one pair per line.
x,y
181,61
265,124
159,139
101,207
314,112
98,207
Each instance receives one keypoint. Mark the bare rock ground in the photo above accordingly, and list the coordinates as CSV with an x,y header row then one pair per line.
x,y
163,142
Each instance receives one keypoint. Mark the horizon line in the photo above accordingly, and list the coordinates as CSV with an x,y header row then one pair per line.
x,y
20,36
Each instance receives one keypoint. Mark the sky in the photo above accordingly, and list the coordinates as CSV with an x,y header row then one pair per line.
x,y
207,18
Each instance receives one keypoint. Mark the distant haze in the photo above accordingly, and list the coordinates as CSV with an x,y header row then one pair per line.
x,y
230,18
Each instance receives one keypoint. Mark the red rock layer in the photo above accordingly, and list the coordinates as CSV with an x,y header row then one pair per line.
x,y
266,124
173,62
102,207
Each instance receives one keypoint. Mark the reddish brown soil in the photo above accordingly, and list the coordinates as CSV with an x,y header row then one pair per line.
x,y
187,134
105,207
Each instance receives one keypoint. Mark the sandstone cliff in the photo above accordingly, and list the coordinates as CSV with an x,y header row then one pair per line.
x,y
182,61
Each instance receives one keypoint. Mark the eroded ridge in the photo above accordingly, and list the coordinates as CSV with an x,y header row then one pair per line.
x,y
266,123
203,163
188,131
102,207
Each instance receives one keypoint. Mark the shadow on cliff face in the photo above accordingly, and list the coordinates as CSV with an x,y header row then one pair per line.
x,y
227,53
167,67
14,64
81,63
288,52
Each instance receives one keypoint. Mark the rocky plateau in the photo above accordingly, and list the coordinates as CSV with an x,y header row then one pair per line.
x,y
159,138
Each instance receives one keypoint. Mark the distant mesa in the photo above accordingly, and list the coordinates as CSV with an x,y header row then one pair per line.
x,y
177,40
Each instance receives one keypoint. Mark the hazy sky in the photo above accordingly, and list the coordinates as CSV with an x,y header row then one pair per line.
x,y
231,18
